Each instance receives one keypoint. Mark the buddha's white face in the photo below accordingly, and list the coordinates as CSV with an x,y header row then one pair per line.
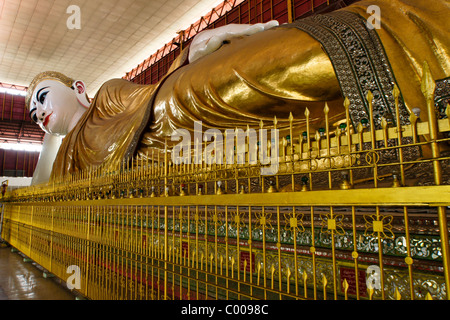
x,y
53,105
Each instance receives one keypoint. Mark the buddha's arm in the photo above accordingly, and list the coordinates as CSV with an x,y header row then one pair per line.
x,y
47,156
267,74
210,40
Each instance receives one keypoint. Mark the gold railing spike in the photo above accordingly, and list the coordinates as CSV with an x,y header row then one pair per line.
x,y
369,96
397,294
258,269
305,287
245,269
359,127
346,103
396,183
233,261
326,109
324,286
384,126
288,276
447,113
272,273
317,137
384,123
413,118
221,263
371,291
428,296
345,286
202,256
396,92
211,258
427,83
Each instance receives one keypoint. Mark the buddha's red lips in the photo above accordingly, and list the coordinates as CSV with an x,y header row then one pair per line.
x,y
46,120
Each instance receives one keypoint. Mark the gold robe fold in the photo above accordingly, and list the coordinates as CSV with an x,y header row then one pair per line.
x,y
106,130
112,127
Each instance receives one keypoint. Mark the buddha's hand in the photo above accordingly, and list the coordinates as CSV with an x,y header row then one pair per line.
x,y
209,41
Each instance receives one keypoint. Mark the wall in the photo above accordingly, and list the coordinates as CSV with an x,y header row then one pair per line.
x,y
16,126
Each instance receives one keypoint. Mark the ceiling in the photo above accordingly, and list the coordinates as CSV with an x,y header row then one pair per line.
x,y
114,36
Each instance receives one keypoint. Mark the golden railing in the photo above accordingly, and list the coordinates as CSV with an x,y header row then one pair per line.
x,y
352,213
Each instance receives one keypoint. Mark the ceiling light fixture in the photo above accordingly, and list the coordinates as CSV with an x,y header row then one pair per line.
x,y
21,147
13,91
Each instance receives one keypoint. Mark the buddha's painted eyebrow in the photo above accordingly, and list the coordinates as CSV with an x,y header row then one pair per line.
x,y
37,93
31,111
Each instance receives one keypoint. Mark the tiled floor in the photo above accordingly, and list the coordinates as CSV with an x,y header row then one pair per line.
x,y
21,280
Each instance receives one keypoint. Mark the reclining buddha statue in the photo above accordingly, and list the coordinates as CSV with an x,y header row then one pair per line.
x,y
238,75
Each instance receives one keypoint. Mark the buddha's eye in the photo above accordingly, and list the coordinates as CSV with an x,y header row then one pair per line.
x,y
41,94
42,97
33,115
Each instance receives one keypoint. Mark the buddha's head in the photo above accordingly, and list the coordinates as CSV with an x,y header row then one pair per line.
x,y
56,102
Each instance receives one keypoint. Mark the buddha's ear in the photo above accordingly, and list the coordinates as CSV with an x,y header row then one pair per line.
x,y
80,91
